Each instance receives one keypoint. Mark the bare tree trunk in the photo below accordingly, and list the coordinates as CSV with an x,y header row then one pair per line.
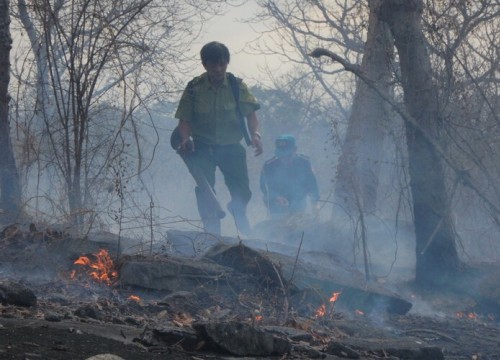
x,y
362,152
10,197
435,238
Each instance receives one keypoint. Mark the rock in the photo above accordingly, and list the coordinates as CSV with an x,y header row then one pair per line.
x,y
339,349
88,311
177,298
241,339
105,357
403,348
169,273
290,333
132,321
185,337
426,353
52,317
59,299
247,260
309,352
16,294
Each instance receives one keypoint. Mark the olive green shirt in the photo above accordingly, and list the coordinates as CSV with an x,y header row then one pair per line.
x,y
213,116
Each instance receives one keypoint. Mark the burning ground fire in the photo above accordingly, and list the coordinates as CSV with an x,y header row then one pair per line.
x,y
463,315
102,269
322,310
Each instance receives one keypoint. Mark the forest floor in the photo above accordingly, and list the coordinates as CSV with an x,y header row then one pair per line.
x,y
29,337
77,318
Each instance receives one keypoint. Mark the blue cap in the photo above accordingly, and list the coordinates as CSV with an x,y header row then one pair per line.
x,y
285,145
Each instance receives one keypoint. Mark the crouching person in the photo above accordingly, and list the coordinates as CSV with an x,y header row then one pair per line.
x,y
287,180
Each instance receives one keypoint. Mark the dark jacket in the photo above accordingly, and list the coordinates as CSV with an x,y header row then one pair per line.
x,y
293,180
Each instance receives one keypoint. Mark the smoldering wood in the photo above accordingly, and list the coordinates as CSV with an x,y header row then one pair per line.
x,y
222,263
407,348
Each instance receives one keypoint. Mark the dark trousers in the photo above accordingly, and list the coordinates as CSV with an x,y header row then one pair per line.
x,y
231,160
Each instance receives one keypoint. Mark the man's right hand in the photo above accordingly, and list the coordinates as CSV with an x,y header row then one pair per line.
x,y
186,146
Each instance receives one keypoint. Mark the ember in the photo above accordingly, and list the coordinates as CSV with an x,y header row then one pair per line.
x,y
471,315
321,311
134,298
102,269
359,312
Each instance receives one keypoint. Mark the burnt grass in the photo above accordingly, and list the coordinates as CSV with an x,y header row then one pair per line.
x,y
22,340
33,334
76,318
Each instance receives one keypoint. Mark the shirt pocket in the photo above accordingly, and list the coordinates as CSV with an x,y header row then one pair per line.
x,y
203,111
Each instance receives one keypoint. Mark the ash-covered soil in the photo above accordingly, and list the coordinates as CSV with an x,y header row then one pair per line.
x,y
237,303
28,339
25,334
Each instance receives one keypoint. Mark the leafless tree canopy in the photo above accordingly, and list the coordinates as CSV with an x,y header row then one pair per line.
x,y
462,37
84,70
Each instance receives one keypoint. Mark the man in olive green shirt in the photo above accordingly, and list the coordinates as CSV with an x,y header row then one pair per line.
x,y
211,133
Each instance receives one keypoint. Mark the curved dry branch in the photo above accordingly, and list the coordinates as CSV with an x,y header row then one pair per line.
x,y
461,174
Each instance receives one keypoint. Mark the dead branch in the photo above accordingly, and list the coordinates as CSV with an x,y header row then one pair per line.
x,y
285,294
437,333
356,70
296,258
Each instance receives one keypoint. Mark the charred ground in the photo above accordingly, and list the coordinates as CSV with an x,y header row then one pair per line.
x,y
234,301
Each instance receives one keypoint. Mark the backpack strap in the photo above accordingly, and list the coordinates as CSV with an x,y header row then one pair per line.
x,y
234,82
190,91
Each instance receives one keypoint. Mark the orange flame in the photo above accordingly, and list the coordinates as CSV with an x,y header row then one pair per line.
x,y
335,296
471,315
102,269
134,298
321,311
259,317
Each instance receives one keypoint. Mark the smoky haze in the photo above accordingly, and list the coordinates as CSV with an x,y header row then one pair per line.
x,y
164,199
389,233
391,249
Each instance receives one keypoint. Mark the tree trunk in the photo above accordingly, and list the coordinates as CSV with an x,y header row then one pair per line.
x,y
10,197
362,152
436,252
